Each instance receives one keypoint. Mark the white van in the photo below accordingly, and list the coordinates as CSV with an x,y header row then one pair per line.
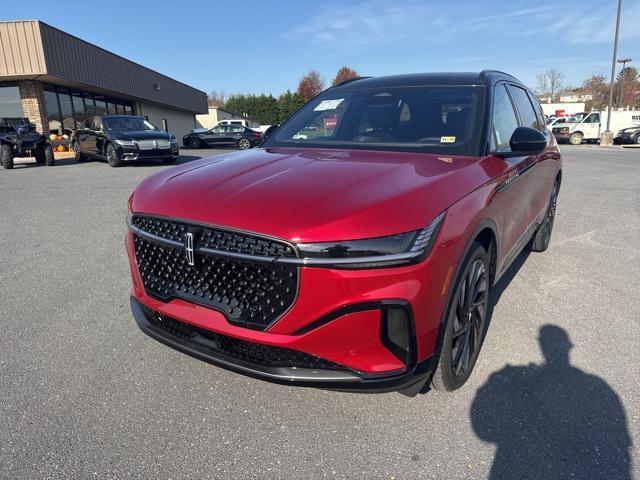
x,y
593,124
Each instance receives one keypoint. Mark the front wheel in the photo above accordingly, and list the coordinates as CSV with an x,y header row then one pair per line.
x,y
77,153
244,144
113,158
49,159
636,139
194,142
465,322
6,154
576,138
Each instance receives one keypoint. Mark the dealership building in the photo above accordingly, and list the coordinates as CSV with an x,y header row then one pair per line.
x,y
57,80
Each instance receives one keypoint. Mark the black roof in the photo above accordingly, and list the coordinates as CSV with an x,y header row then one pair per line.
x,y
486,77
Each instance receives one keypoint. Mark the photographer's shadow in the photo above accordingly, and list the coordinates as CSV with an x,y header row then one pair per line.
x,y
552,420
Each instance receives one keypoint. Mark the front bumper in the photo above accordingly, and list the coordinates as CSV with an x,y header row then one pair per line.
x,y
207,347
337,317
134,153
623,139
560,136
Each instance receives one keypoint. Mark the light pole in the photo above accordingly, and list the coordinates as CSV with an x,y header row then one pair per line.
x,y
624,62
606,139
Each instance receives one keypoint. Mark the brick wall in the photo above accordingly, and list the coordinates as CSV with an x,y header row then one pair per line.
x,y
33,104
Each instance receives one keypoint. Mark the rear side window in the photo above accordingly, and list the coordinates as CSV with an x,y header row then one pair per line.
x,y
528,115
504,120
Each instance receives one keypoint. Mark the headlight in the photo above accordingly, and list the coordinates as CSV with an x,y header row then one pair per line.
x,y
373,252
126,143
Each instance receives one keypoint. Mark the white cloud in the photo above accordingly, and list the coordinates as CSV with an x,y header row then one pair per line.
x,y
347,27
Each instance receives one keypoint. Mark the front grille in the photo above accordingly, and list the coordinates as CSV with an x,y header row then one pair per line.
x,y
152,144
248,352
249,294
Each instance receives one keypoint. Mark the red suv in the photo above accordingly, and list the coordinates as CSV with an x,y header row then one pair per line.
x,y
356,248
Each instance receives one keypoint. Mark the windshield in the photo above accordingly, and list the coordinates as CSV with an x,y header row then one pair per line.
x,y
127,123
577,118
434,119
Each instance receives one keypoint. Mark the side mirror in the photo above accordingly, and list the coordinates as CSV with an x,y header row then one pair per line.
x,y
269,131
527,141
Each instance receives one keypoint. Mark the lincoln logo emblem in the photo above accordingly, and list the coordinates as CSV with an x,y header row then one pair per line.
x,y
155,144
188,246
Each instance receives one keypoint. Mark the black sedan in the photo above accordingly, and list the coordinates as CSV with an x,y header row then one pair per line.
x,y
224,136
628,135
123,138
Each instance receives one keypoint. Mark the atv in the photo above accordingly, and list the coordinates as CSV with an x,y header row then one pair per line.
x,y
20,139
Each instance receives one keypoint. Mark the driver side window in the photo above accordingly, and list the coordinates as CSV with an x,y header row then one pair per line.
x,y
504,121
219,129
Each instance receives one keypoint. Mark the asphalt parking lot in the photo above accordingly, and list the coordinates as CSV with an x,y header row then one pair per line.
x,y
84,394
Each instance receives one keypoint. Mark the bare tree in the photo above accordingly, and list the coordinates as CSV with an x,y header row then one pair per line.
x,y
217,99
550,83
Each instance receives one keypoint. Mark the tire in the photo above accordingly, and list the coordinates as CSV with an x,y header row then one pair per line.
x,y
113,158
466,321
194,142
6,153
576,138
40,156
244,144
541,239
77,154
636,139
49,159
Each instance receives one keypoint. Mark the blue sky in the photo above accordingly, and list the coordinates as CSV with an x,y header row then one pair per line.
x,y
256,46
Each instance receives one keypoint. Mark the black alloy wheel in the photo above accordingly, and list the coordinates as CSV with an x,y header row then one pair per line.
x,y
636,139
194,142
113,158
466,322
78,155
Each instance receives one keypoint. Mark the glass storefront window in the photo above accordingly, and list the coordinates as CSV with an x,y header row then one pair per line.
x,y
101,107
128,110
66,109
78,109
10,102
119,109
53,112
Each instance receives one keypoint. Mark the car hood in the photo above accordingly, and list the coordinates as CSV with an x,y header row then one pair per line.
x,y
305,195
141,135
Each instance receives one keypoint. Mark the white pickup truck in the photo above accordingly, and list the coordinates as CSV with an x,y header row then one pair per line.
x,y
593,124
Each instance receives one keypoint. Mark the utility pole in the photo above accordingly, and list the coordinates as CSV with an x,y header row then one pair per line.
x,y
624,62
606,139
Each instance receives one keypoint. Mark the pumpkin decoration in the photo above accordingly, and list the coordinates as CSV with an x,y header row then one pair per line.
x,y
53,136
60,137
60,148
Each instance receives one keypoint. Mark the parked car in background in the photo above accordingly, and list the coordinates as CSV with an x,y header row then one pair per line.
x,y
628,135
18,138
119,139
243,122
362,257
590,125
223,136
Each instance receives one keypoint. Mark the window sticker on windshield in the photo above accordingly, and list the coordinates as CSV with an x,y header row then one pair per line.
x,y
447,139
328,105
